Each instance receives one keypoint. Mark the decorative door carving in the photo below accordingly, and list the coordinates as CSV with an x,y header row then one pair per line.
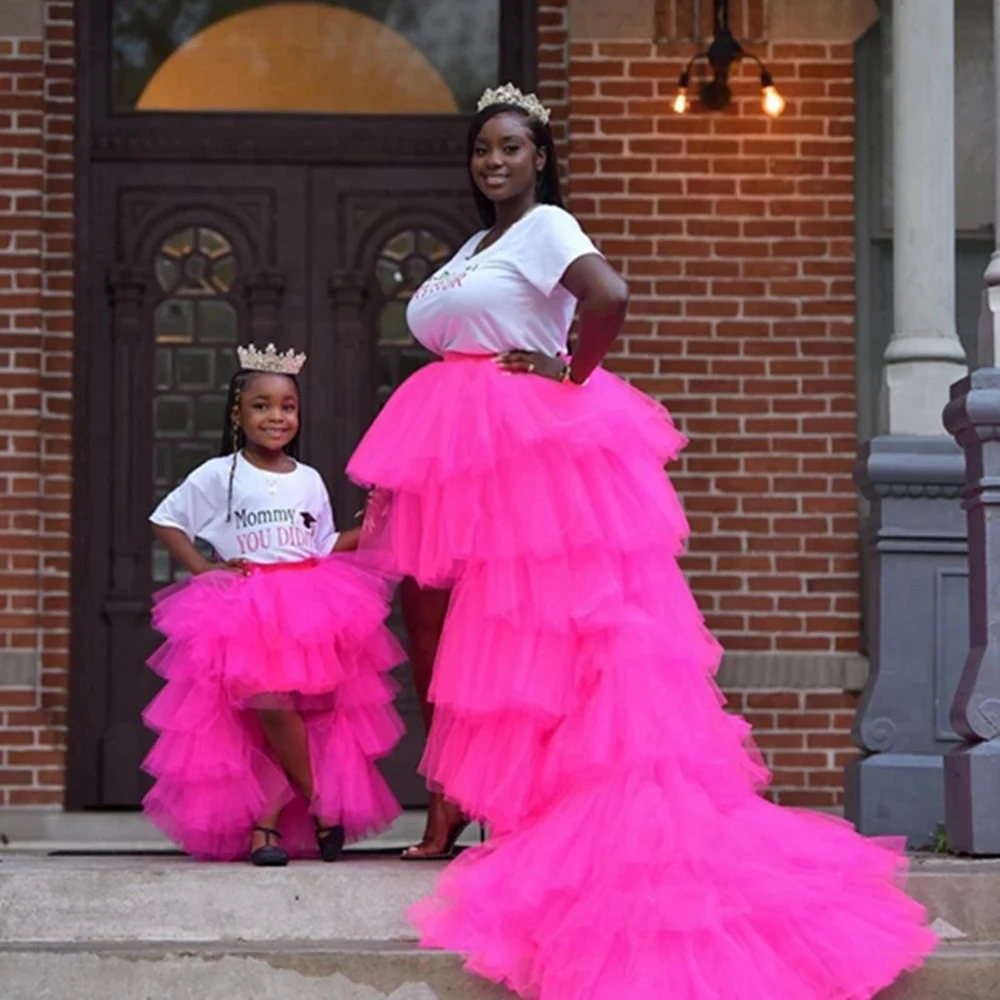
x,y
378,234
189,271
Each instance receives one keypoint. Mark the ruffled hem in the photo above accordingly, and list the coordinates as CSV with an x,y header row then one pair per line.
x,y
306,630
624,889
234,642
576,715
493,472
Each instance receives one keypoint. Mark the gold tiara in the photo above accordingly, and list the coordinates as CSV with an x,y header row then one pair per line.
x,y
270,360
509,94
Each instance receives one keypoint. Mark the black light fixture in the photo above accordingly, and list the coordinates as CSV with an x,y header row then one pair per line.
x,y
723,51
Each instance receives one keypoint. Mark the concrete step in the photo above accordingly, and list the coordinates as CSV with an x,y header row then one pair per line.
x,y
277,971
139,928
954,972
362,897
73,899
346,971
962,896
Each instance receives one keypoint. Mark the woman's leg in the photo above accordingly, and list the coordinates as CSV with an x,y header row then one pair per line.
x,y
424,612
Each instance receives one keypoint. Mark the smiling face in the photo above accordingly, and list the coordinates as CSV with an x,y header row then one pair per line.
x,y
269,411
505,161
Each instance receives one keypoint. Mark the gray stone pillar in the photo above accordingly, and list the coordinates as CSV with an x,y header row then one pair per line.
x,y
924,356
972,771
912,473
918,627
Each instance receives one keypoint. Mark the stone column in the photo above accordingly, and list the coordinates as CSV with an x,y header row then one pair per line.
x,y
912,472
924,356
972,771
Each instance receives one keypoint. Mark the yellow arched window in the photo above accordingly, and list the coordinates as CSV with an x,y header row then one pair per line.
x,y
361,57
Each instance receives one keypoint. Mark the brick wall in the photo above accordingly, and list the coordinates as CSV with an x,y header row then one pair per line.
x,y
36,169
735,234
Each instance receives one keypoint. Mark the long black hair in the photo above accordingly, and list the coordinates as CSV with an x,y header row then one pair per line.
x,y
547,188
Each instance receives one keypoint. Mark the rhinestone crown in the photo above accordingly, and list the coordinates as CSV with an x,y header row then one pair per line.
x,y
509,94
270,360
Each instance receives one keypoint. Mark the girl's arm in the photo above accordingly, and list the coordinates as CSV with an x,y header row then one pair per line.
x,y
183,550
347,541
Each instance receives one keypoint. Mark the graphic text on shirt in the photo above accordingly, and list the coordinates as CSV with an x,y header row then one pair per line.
x,y
443,281
258,530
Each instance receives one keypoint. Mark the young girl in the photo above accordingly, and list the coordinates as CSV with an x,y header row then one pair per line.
x,y
277,700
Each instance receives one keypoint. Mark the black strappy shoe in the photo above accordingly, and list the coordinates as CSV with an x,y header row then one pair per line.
x,y
330,840
419,853
269,855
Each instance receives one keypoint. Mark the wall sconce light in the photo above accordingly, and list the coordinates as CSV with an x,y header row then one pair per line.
x,y
723,51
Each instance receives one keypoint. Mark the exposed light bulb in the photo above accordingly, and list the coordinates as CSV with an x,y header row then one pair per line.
x,y
681,102
771,102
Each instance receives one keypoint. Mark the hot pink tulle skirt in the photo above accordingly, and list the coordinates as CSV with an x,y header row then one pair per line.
x,y
307,636
576,714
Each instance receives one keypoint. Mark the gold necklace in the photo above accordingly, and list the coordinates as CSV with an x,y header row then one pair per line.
x,y
271,479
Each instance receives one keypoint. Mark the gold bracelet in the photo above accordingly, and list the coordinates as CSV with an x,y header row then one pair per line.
x,y
566,375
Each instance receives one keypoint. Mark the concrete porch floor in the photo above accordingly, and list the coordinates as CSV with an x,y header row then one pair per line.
x,y
48,831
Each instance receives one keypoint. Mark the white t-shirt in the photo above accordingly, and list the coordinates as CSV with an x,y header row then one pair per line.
x,y
507,296
276,517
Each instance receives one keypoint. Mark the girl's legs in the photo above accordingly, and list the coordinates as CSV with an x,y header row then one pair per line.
x,y
424,611
286,735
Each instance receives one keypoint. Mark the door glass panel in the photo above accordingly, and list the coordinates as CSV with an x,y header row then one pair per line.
x,y
404,263
353,57
196,324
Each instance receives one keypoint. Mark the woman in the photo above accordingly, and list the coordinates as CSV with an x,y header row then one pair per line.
x,y
574,707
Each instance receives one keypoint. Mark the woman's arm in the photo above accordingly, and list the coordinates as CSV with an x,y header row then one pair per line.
x,y
603,298
603,303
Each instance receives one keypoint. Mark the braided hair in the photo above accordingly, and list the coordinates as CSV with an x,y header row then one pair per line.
x,y
233,438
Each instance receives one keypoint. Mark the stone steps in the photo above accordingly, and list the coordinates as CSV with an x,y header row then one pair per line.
x,y
144,928
351,970
278,971
176,899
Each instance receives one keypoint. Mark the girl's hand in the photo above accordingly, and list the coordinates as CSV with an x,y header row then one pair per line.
x,y
531,363
376,510
361,514
233,566
347,541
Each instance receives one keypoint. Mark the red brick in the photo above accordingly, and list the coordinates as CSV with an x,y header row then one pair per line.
x,y
736,235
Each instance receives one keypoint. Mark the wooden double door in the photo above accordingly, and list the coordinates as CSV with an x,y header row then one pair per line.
x,y
181,264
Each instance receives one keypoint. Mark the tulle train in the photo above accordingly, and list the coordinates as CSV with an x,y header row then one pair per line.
x,y
576,714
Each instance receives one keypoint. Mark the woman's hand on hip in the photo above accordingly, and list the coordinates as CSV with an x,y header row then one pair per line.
x,y
531,363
